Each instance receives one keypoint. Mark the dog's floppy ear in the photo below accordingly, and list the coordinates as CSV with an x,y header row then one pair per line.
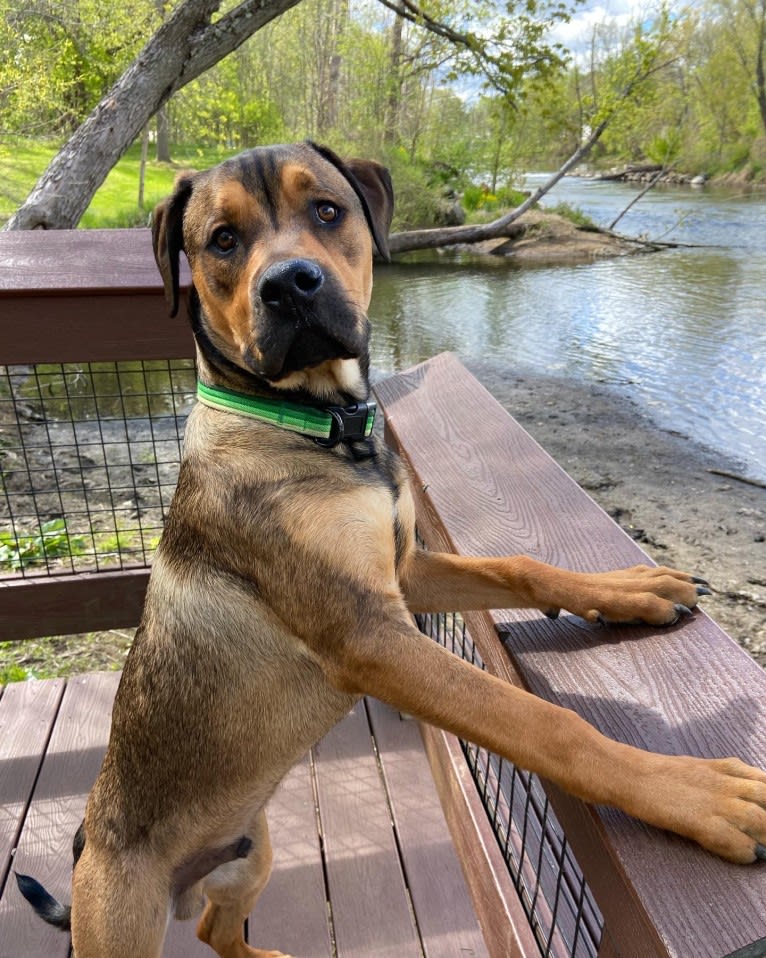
x,y
167,236
372,184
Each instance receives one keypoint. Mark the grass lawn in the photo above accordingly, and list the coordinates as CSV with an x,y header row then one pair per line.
x,y
116,202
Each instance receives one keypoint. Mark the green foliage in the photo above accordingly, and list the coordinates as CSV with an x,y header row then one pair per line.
x,y
23,159
50,541
13,673
61,56
417,202
573,214
665,147
227,107
478,198
676,88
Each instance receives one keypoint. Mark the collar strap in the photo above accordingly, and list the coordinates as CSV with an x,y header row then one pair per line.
x,y
327,425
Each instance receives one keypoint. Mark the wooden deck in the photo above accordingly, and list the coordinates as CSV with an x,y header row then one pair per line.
x,y
363,861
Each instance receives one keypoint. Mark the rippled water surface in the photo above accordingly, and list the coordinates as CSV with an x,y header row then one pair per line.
x,y
683,332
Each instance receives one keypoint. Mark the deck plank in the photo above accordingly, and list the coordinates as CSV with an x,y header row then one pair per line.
x,y
445,916
27,714
44,851
292,912
370,907
55,734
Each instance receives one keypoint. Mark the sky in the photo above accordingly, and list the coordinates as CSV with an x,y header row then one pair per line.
x,y
576,34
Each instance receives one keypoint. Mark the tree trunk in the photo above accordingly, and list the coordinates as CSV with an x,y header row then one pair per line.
x,y
760,73
163,136
186,45
394,99
142,166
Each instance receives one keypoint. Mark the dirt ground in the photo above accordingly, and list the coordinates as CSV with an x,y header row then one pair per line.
x,y
543,239
659,486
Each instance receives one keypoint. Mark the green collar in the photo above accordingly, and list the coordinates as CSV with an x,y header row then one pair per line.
x,y
328,425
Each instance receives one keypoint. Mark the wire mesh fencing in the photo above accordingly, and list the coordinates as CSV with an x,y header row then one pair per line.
x,y
556,899
89,456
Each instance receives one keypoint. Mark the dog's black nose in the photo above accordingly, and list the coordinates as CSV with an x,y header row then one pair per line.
x,y
292,281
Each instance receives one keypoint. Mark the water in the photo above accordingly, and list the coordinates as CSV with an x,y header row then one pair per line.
x,y
682,332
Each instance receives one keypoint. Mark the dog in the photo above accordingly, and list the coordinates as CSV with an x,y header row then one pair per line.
x,y
285,582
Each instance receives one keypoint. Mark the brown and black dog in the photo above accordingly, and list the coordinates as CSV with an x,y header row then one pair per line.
x,y
284,584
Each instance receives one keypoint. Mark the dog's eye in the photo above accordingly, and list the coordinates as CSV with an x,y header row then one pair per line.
x,y
328,212
224,240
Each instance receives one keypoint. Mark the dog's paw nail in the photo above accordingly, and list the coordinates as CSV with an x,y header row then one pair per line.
x,y
698,580
681,610
703,590
551,613
760,852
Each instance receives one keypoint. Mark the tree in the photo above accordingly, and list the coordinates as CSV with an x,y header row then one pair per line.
x,y
60,58
189,42
745,23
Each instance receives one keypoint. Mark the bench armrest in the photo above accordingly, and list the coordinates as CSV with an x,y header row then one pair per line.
x,y
484,486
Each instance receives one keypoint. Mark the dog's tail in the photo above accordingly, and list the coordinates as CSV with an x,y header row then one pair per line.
x,y
44,904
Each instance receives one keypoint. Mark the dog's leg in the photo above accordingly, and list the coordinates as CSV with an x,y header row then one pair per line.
x,y
719,803
657,595
232,890
120,908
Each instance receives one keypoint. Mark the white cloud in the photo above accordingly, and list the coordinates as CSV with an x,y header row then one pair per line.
x,y
616,14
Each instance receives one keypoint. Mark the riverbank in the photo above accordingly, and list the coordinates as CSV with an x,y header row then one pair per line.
x,y
663,488
541,238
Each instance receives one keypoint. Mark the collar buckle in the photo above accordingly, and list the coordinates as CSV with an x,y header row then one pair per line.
x,y
349,423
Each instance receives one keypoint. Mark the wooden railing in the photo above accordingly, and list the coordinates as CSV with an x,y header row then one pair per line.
x,y
482,485
81,297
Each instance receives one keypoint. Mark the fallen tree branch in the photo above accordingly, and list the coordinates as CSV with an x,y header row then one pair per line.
x,y
738,478
451,235
655,179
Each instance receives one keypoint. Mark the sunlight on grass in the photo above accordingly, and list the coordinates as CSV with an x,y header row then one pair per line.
x,y
115,204
61,656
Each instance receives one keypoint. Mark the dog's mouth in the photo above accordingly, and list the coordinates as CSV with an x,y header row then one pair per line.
x,y
292,347
302,320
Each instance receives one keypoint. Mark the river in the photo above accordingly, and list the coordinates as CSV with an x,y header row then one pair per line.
x,y
681,332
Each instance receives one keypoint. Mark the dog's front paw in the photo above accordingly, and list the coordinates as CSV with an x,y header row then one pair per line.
x,y
721,804
655,595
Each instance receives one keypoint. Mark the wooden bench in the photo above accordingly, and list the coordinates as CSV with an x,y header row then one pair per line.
x,y
367,847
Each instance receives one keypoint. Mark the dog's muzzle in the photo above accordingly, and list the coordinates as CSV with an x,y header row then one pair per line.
x,y
304,318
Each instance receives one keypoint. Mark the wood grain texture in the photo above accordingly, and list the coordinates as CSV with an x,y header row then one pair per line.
x,y
27,713
370,906
86,295
446,919
688,689
68,604
71,260
292,913
71,763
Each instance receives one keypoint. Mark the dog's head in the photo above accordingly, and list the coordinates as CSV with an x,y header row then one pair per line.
x,y
280,242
